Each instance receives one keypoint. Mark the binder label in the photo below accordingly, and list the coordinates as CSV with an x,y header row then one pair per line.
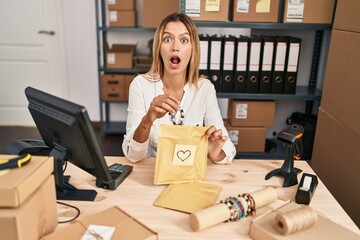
x,y
280,56
215,55
254,56
293,57
241,111
229,55
242,6
192,8
295,11
267,56
203,55
241,57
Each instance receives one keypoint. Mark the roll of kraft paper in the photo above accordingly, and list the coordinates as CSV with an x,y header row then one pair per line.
x,y
221,212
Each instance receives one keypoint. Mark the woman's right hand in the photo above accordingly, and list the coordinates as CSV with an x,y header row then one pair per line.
x,y
161,105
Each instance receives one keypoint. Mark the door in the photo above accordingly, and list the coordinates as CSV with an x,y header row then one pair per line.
x,y
31,54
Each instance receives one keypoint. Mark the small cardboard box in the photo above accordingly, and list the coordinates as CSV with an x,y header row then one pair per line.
x,y
262,228
122,18
217,11
16,185
113,88
319,11
251,113
247,139
155,10
125,227
121,4
256,11
36,217
120,56
347,15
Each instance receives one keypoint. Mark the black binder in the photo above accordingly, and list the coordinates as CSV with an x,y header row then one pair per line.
x,y
277,84
228,61
252,80
292,60
204,55
241,53
215,61
266,66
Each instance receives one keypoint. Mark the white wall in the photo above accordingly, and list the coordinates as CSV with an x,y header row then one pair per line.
x,y
80,40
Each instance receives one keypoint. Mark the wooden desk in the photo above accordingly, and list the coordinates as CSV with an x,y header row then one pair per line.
x,y
137,194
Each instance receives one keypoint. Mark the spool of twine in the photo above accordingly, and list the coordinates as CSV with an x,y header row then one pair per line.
x,y
220,213
295,220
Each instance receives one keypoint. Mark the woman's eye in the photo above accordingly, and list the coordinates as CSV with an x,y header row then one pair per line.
x,y
184,40
167,39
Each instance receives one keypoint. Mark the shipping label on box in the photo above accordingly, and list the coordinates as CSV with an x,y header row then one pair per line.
x,y
241,111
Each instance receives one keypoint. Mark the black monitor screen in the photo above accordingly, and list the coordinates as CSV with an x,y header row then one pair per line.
x,y
66,128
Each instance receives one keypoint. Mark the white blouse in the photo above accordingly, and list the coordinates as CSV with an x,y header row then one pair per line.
x,y
200,109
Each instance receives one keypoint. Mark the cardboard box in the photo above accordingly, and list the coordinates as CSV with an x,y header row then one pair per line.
x,y
247,139
319,11
35,217
121,18
347,15
16,185
336,160
154,11
251,113
217,11
113,88
121,4
142,63
120,56
341,88
256,11
262,228
126,227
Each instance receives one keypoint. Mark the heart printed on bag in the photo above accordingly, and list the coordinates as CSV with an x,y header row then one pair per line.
x,y
183,155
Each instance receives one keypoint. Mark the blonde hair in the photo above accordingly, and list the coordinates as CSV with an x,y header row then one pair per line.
x,y
157,67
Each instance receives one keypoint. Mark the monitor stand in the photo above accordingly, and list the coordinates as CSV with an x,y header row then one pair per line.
x,y
64,190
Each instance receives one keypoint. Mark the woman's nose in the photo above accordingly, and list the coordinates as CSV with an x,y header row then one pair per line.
x,y
175,47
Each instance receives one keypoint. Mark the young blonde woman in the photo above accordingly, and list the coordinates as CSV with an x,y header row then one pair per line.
x,y
172,92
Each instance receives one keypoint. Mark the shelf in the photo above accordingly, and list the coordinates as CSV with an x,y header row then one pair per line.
x,y
276,152
303,93
126,29
122,71
272,26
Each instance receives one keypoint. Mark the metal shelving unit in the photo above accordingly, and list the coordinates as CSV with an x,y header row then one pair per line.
x,y
309,93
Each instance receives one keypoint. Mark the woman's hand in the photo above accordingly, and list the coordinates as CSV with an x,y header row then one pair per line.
x,y
215,144
161,105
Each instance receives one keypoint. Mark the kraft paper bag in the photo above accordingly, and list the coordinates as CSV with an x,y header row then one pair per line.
x,y
188,197
181,154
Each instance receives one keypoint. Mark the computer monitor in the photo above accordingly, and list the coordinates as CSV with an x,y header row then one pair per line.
x,y
66,129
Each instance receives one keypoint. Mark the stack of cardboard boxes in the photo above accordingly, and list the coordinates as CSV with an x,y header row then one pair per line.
x,y
247,123
115,87
336,154
28,200
121,13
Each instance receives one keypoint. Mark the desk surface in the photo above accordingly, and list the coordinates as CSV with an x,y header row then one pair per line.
x,y
137,194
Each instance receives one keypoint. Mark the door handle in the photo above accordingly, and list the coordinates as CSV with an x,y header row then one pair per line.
x,y
52,33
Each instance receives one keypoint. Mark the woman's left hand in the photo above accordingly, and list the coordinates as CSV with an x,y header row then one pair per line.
x,y
215,144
